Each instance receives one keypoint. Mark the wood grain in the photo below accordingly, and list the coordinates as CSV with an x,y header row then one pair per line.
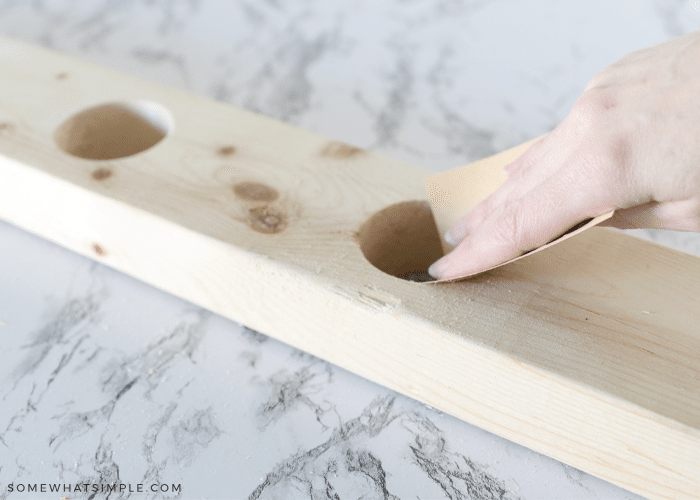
x,y
589,352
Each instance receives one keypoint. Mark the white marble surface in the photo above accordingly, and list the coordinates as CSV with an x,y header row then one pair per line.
x,y
104,379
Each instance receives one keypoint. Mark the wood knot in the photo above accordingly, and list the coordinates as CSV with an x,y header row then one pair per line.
x,y
340,150
98,249
101,174
226,150
266,220
255,191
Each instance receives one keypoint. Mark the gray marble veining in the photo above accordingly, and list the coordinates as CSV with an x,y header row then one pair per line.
x,y
105,380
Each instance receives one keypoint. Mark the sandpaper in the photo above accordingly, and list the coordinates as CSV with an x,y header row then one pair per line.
x,y
455,193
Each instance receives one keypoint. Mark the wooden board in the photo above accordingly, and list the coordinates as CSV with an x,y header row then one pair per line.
x,y
588,352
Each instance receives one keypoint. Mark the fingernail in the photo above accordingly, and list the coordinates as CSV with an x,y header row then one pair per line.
x,y
449,239
438,267
455,235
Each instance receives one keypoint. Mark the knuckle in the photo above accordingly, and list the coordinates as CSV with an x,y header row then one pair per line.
x,y
594,82
483,211
509,229
591,107
601,79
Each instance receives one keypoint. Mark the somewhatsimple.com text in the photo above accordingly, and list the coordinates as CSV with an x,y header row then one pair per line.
x,y
93,488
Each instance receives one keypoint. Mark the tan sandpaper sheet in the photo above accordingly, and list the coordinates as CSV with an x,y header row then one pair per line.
x,y
455,193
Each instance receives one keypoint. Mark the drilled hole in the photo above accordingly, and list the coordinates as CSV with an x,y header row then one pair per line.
x,y
114,130
402,240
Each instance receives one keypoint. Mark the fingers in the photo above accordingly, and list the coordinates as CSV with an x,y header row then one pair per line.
x,y
521,179
682,215
510,189
528,222
526,160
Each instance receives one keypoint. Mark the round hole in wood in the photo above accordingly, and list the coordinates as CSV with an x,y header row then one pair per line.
x,y
402,240
114,130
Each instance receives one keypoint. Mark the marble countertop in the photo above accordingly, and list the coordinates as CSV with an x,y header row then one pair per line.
x,y
106,380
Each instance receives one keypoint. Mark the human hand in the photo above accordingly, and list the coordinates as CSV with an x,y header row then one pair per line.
x,y
631,144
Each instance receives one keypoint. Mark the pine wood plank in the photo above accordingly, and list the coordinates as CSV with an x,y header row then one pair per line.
x,y
588,352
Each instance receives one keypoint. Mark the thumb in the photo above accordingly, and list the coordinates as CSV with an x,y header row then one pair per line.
x,y
678,215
